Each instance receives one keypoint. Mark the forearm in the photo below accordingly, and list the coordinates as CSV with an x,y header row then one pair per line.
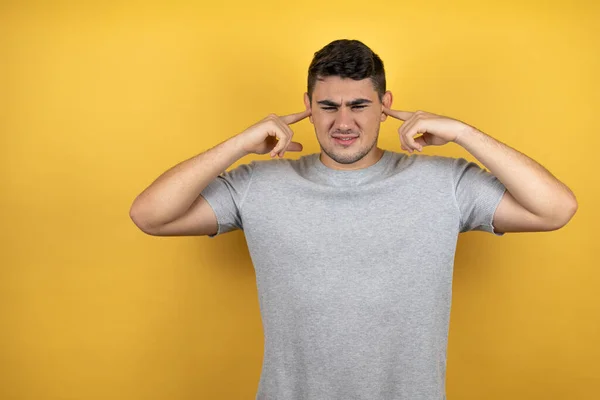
x,y
173,192
532,185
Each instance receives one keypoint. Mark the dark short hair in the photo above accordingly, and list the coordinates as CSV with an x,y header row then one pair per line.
x,y
347,59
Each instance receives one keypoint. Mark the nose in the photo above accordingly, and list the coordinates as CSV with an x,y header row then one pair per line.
x,y
344,119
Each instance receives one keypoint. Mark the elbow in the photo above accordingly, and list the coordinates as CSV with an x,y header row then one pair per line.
x,y
568,208
137,217
572,208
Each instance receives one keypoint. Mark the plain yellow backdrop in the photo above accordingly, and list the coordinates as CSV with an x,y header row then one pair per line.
x,y
99,98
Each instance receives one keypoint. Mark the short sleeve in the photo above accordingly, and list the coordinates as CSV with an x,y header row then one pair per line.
x,y
226,194
478,194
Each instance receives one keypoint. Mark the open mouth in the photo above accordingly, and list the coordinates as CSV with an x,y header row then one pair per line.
x,y
345,141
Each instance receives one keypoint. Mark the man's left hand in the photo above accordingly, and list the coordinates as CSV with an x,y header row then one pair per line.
x,y
436,130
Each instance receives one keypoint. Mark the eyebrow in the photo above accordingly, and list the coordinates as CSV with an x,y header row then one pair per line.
x,y
355,102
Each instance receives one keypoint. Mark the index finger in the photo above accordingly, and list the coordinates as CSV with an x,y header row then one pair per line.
x,y
293,118
401,115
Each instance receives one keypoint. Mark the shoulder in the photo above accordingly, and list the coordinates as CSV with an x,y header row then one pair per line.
x,y
283,165
426,162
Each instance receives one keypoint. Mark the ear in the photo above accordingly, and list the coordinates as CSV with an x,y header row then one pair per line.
x,y
308,106
387,102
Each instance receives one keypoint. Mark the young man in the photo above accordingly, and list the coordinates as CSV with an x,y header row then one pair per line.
x,y
353,247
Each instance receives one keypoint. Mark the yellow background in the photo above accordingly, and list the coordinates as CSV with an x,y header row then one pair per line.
x,y
97,99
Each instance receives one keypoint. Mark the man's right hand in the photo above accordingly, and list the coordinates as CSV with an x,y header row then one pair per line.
x,y
272,134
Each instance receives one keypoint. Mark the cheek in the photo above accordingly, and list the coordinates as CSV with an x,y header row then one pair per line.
x,y
368,121
323,123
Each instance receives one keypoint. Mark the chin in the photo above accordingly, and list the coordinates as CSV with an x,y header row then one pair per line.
x,y
345,157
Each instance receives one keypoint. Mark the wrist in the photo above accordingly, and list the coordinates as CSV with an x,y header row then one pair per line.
x,y
466,135
238,145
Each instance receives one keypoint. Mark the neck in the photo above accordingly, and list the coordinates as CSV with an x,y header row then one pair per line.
x,y
370,159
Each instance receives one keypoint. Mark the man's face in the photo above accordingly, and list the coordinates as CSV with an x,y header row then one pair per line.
x,y
347,108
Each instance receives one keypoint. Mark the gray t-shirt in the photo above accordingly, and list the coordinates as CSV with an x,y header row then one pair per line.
x,y
354,268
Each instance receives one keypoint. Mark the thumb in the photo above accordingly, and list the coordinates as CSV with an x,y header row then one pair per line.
x,y
428,139
422,141
294,146
425,140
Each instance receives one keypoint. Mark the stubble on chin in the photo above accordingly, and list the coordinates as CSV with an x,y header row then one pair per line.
x,y
348,156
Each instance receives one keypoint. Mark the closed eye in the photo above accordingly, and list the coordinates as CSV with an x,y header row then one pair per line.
x,y
335,108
